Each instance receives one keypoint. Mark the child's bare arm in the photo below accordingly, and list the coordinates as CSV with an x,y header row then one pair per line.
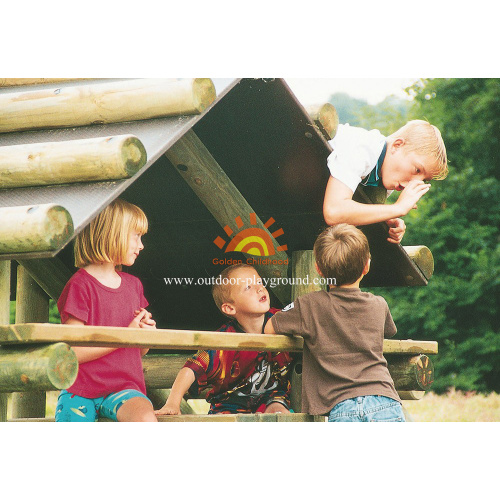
x,y
339,207
269,328
182,383
143,319
86,354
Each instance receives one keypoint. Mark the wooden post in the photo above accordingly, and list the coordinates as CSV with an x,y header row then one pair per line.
x,y
326,118
305,279
108,102
32,306
85,160
34,228
47,368
222,198
5,266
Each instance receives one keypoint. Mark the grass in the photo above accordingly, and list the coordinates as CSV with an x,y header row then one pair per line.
x,y
454,406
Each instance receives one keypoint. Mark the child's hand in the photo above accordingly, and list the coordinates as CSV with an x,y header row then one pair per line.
x,y
147,320
139,316
397,230
413,191
169,409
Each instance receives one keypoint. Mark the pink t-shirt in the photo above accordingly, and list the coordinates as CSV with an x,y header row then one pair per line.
x,y
87,299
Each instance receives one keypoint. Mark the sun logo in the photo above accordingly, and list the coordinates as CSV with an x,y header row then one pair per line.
x,y
252,240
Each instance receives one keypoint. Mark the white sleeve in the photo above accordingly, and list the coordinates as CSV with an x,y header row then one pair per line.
x,y
355,154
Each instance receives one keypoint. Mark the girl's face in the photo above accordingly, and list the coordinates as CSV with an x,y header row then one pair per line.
x,y
134,247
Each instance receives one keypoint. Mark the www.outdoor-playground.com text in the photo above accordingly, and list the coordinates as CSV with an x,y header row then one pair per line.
x,y
267,282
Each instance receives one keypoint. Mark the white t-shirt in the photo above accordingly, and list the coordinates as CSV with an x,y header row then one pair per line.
x,y
355,154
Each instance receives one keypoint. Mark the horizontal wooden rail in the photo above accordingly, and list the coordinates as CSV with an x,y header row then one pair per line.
x,y
176,339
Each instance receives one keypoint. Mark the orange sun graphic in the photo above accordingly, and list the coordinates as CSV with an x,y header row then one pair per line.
x,y
252,240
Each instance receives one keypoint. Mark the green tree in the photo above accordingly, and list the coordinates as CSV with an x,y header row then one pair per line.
x,y
459,221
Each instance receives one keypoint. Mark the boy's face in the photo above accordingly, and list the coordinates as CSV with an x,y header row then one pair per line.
x,y
249,297
401,166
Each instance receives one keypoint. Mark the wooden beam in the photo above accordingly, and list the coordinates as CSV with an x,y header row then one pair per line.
x,y
50,274
326,118
47,368
189,340
85,160
15,82
34,228
108,102
207,179
411,395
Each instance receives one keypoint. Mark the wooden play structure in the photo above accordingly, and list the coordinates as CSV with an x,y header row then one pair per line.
x,y
206,160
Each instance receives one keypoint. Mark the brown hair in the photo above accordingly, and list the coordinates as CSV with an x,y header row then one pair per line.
x,y
425,139
341,252
221,289
105,239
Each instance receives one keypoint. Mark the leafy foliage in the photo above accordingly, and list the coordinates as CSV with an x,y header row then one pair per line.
x,y
459,221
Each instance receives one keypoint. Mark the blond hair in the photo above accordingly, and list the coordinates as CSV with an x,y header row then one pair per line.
x,y
341,253
221,289
105,239
425,139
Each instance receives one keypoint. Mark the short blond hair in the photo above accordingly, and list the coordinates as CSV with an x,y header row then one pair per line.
x,y
425,139
341,252
221,289
105,239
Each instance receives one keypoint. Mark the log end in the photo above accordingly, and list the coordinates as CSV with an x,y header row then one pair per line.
x,y
59,227
329,119
203,93
423,258
63,366
133,155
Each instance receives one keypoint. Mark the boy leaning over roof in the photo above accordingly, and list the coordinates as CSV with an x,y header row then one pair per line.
x,y
345,374
241,381
401,162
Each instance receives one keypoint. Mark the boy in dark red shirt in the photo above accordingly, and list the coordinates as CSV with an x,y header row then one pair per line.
x,y
241,381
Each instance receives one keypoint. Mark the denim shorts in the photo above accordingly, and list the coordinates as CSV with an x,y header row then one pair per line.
x,y
73,408
367,409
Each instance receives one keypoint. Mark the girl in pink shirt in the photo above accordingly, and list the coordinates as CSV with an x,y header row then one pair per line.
x,y
110,380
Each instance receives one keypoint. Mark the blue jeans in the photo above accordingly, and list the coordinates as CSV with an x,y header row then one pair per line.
x,y
367,409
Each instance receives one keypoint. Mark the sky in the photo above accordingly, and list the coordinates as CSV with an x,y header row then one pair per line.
x,y
318,90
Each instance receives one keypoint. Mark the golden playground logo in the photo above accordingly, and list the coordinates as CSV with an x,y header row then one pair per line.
x,y
252,240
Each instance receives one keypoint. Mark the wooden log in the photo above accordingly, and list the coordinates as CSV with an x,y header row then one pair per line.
x,y
159,397
34,228
47,368
222,198
188,340
15,82
160,370
422,257
411,395
50,274
326,118
85,160
305,278
5,268
32,305
414,373
99,103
